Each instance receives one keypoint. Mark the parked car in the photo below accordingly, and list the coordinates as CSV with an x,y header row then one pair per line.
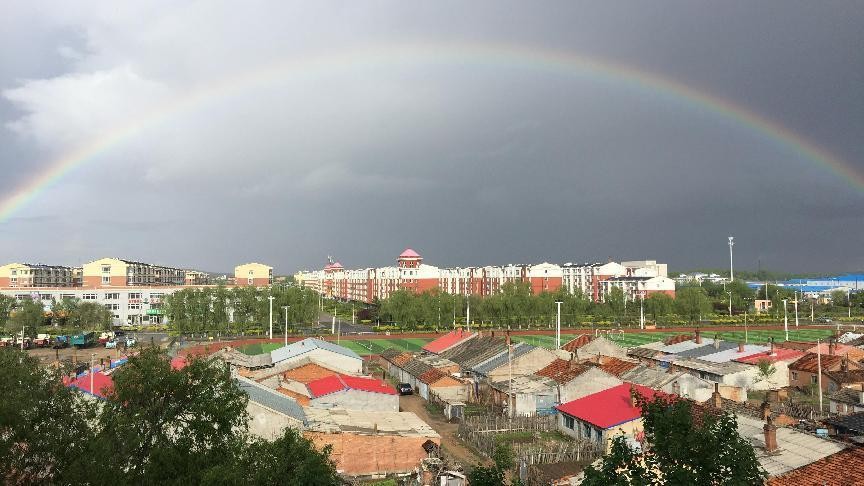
x,y
43,340
61,342
130,341
824,319
404,389
111,344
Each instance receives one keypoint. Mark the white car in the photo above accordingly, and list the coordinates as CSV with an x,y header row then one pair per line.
x,y
130,341
111,344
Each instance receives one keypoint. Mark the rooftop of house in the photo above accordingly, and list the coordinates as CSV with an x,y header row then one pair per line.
x,y
680,338
436,361
850,396
849,377
526,384
562,370
795,448
363,422
779,354
649,376
688,345
308,372
302,347
336,383
577,342
519,349
433,375
844,467
644,352
733,354
244,360
854,422
656,346
610,407
271,399
474,351
810,363
712,348
839,349
102,384
849,337
448,341
616,366
390,353
719,369
798,345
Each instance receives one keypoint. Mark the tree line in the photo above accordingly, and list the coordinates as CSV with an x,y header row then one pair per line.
x,y
157,426
31,314
238,309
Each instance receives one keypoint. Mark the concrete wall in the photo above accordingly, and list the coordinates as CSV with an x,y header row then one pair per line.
x,y
357,400
358,455
330,359
269,424
527,364
592,381
631,429
460,392
603,346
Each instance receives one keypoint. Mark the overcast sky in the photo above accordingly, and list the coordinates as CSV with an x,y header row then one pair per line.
x,y
388,127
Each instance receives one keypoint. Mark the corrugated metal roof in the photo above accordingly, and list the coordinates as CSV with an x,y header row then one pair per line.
x,y
307,345
519,349
271,399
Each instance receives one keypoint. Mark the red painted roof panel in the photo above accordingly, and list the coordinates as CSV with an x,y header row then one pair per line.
x,y
447,341
610,407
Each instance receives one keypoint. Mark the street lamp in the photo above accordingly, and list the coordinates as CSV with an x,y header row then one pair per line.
x,y
730,303
796,309
286,323
731,274
271,315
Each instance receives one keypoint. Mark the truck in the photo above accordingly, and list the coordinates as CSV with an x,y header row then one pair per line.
x,y
60,342
105,337
43,340
83,340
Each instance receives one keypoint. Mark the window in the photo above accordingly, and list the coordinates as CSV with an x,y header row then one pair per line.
x,y
112,307
134,306
112,296
88,297
134,295
794,376
106,280
569,422
106,268
586,431
813,379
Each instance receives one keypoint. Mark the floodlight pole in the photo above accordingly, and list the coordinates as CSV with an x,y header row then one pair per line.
x,y
731,272
271,315
785,320
286,323
558,326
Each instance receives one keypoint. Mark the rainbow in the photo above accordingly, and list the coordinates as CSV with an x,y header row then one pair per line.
x,y
496,55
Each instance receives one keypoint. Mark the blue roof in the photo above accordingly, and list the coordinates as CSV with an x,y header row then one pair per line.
x,y
518,350
272,400
306,345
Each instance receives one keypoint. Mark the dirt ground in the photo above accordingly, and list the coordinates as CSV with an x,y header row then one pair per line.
x,y
450,444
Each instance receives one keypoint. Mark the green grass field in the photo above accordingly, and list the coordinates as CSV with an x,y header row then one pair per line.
x,y
365,347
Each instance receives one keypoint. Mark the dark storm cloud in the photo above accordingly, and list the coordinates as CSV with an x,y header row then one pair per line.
x,y
467,163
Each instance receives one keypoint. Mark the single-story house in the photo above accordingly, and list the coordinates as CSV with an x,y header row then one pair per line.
x,y
318,350
444,385
371,443
587,345
353,393
680,383
529,394
270,412
575,380
804,372
846,401
448,341
524,359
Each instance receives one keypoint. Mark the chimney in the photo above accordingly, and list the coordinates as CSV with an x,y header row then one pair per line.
x,y
770,436
740,346
716,399
831,348
698,336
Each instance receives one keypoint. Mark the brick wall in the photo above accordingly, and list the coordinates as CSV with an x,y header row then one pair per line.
x,y
358,455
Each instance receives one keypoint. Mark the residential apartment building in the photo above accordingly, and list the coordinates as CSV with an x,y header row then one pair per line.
x,y
128,305
114,272
253,274
17,275
636,278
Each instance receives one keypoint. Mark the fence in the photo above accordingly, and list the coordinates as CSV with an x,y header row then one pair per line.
x,y
483,434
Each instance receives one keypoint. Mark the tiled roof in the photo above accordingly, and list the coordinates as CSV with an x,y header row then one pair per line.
x,y
810,363
447,341
648,376
308,372
519,349
102,384
333,384
615,366
562,370
271,399
677,339
847,377
432,376
780,354
732,354
527,384
475,351
720,369
850,396
307,345
415,367
577,342
843,468
401,359
706,350
409,253
389,353
610,407
854,422
854,353
362,422
642,352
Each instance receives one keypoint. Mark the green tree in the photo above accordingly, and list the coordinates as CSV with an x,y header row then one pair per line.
x,y
91,316
658,305
692,303
7,306
766,369
44,426
30,314
615,301
291,459
683,445
64,310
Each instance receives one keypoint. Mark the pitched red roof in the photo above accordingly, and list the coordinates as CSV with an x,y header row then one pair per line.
x,y
844,467
447,341
336,383
562,370
680,338
577,343
610,407
409,253
780,354
810,363
616,366
432,376
102,384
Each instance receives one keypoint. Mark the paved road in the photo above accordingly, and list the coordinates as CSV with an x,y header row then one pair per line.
x,y
451,446
325,321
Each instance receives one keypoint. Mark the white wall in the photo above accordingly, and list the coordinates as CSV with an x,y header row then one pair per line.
x,y
269,424
357,400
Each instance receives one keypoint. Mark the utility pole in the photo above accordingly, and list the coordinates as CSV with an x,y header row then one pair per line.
x,y
92,365
796,309
819,369
333,326
785,320
468,312
730,303
811,312
558,326
848,302
353,318
271,315
286,323
731,273
642,312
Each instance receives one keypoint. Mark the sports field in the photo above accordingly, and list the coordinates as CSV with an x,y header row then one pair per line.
x,y
365,347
